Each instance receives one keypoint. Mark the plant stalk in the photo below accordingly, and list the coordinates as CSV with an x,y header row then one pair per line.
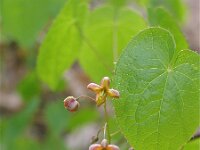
x,y
107,125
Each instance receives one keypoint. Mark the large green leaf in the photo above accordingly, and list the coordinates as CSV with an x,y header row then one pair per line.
x,y
159,88
62,43
160,17
22,20
108,31
193,145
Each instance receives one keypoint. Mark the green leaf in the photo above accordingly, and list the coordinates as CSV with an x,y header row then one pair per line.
x,y
57,118
143,2
176,7
15,126
62,43
160,17
118,3
107,32
159,87
25,143
193,145
82,117
22,20
29,87
54,142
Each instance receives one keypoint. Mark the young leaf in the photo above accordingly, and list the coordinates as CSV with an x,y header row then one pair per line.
x,y
160,17
22,20
108,31
159,87
62,43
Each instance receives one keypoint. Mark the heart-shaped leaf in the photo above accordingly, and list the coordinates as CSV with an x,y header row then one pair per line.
x,y
193,145
108,31
177,8
159,87
161,17
62,43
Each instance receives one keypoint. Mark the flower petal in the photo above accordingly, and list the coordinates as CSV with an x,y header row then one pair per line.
x,y
94,87
112,147
113,93
95,147
105,83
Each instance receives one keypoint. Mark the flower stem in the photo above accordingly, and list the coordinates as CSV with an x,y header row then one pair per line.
x,y
107,126
85,96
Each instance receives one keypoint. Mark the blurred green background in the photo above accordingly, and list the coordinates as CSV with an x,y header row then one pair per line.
x,y
32,114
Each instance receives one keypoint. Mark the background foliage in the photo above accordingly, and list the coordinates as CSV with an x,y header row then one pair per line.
x,y
49,37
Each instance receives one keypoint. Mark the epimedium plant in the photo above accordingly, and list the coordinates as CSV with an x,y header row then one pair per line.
x,y
159,105
156,75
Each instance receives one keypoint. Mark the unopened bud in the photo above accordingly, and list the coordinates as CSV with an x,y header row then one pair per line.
x,y
105,82
103,146
104,143
71,104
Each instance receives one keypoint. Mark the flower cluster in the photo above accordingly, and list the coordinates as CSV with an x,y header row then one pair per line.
x,y
102,91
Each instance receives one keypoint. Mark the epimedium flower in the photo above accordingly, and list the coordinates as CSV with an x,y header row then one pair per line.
x,y
71,104
103,146
103,90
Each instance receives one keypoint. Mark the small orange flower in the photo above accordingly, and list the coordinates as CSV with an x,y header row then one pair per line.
x,y
103,90
103,146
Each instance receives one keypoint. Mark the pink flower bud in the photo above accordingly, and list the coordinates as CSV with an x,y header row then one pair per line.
x,y
103,146
71,104
105,82
104,143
